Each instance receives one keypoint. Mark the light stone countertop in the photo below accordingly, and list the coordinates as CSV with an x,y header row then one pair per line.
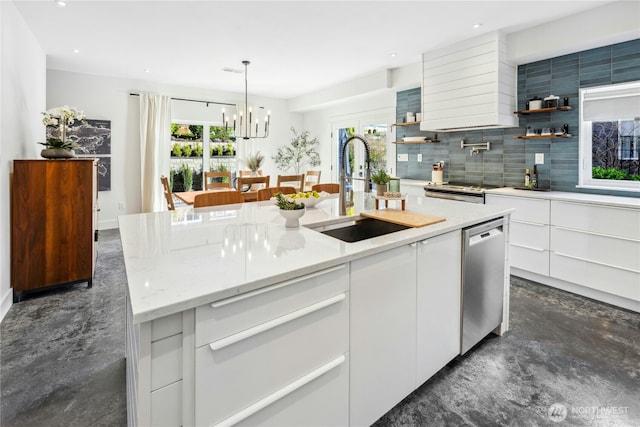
x,y
177,260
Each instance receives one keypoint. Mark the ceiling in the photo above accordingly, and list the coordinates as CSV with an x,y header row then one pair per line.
x,y
295,47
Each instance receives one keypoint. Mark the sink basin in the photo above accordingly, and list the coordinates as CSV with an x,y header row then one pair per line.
x,y
357,229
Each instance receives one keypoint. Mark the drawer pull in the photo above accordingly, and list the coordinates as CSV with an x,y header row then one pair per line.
x,y
528,247
598,262
240,297
593,233
232,339
284,391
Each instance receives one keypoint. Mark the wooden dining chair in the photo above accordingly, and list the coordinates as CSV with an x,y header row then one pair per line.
x,y
215,180
215,198
248,186
167,192
296,181
329,187
312,178
269,192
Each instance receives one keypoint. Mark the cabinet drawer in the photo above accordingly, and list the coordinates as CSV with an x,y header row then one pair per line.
x,y
166,361
236,375
533,260
231,315
597,219
604,278
529,210
621,253
166,406
535,236
323,401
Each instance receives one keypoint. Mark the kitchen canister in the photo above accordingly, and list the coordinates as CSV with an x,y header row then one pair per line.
x,y
437,173
535,103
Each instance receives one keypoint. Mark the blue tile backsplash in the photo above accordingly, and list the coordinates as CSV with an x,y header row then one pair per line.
x,y
505,163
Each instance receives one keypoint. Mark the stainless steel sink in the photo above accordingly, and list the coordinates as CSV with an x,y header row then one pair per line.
x,y
357,229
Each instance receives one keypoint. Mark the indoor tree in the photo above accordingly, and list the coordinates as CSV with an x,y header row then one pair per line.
x,y
300,153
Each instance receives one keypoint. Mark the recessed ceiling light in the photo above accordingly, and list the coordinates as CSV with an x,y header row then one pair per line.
x,y
146,70
76,50
393,55
61,3
477,25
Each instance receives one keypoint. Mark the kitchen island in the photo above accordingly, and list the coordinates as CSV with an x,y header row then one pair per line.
x,y
233,319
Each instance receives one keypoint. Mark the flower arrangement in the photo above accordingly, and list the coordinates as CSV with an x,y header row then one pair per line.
x,y
62,117
254,161
289,203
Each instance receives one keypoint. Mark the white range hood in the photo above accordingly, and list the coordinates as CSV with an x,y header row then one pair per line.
x,y
469,85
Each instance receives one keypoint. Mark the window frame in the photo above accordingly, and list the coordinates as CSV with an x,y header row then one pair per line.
x,y
585,164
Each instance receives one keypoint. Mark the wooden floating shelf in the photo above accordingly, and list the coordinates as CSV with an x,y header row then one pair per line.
x,y
406,124
564,135
416,142
545,110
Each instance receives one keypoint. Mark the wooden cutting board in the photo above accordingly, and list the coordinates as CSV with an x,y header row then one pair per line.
x,y
408,218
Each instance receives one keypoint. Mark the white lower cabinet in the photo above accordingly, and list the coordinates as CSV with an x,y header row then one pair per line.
x,y
438,303
383,333
272,370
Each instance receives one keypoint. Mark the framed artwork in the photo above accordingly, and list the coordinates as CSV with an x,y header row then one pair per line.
x,y
94,140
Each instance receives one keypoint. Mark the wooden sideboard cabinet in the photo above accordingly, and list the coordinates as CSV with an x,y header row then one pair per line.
x,y
53,223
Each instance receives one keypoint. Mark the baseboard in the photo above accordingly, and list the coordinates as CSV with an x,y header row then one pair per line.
x,y
107,225
579,289
5,305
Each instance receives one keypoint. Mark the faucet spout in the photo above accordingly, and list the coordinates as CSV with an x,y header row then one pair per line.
x,y
343,171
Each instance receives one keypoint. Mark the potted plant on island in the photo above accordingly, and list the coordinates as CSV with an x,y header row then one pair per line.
x,y
381,180
61,117
291,209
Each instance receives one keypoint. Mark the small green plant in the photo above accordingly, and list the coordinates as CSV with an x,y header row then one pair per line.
x,y
608,173
187,176
230,148
288,203
176,149
187,150
199,149
380,177
219,149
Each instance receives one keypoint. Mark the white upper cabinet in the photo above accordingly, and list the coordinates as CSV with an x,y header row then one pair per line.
x,y
469,85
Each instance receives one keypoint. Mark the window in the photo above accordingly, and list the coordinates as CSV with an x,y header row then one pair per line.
x,y
610,137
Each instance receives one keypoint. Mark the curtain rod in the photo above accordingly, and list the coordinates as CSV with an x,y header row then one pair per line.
x,y
193,100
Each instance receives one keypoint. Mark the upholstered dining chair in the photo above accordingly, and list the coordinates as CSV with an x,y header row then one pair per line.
x,y
269,192
329,187
312,178
214,180
296,181
215,198
254,183
167,192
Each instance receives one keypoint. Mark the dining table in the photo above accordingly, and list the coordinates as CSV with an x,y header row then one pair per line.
x,y
187,197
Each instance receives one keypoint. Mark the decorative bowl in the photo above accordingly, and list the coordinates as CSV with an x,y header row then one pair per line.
x,y
292,217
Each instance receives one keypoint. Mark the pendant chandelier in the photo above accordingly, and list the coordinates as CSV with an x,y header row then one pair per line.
x,y
249,122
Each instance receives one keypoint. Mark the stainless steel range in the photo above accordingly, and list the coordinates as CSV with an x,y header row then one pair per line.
x,y
473,193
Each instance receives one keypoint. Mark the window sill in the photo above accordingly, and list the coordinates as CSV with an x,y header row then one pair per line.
x,y
609,188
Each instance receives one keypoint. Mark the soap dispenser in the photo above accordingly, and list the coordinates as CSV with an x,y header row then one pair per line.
x,y
534,178
527,177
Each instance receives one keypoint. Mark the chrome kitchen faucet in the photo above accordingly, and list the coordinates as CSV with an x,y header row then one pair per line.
x,y
343,172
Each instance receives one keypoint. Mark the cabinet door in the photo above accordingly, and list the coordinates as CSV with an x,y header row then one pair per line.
x,y
383,332
438,303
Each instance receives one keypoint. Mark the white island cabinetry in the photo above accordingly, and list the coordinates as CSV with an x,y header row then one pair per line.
x,y
383,332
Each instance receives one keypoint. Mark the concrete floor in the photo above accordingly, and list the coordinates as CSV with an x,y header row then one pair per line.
x,y
567,360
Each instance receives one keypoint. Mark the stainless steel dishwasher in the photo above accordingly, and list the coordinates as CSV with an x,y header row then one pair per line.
x,y
483,260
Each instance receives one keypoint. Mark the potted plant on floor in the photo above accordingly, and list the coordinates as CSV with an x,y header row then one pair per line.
x,y
381,180
300,153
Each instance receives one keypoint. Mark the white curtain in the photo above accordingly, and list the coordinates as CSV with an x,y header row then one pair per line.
x,y
155,143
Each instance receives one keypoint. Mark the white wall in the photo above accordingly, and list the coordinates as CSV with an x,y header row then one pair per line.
x,y
22,99
108,99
